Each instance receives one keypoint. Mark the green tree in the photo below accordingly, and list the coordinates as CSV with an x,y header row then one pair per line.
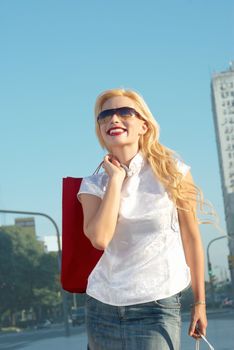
x,y
47,287
28,275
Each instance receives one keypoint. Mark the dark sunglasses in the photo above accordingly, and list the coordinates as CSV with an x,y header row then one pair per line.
x,y
122,112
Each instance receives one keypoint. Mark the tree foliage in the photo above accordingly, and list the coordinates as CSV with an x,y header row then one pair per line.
x,y
28,274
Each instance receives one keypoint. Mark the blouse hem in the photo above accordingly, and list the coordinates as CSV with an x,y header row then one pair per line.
x,y
163,296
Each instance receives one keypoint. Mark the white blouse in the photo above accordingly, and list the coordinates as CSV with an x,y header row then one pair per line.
x,y
145,259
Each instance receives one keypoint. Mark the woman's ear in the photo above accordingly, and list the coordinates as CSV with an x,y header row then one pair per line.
x,y
144,128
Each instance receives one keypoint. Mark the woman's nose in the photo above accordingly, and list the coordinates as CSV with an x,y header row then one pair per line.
x,y
115,118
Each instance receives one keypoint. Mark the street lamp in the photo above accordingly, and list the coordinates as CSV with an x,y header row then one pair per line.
x,y
210,272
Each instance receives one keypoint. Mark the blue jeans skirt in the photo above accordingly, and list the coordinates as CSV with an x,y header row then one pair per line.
x,y
155,325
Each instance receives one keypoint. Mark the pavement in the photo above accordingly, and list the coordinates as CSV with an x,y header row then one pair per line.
x,y
74,342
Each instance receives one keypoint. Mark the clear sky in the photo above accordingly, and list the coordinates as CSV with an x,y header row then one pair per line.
x,y
56,56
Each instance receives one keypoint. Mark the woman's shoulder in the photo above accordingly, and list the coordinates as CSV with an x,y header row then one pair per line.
x,y
93,184
94,178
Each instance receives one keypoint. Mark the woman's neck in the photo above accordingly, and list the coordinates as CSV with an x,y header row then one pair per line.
x,y
125,156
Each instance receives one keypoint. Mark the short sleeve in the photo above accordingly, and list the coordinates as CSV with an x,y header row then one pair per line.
x,y
90,185
182,167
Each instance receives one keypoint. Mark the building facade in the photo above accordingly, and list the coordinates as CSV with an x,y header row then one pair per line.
x,y
222,95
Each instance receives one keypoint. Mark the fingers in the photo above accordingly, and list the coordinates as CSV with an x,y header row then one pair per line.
x,y
106,160
111,165
198,322
115,162
202,328
197,328
109,158
192,328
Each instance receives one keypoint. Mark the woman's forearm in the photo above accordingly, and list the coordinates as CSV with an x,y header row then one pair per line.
x,y
102,227
195,259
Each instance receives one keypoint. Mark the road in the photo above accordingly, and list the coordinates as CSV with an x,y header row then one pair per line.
x,y
220,334
20,340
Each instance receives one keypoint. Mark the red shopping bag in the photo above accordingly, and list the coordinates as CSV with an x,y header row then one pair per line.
x,y
79,257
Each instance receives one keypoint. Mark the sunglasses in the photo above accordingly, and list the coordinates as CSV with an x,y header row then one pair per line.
x,y
122,112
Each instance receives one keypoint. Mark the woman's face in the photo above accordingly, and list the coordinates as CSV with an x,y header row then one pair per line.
x,y
118,131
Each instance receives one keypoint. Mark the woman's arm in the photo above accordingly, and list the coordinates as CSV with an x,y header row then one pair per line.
x,y
100,216
194,255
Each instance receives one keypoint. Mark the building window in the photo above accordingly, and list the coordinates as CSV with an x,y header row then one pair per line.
x,y
223,86
224,94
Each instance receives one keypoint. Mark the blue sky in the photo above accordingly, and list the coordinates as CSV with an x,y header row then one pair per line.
x,y
57,56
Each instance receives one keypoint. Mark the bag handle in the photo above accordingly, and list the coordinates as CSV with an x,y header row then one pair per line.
x,y
98,168
128,172
204,338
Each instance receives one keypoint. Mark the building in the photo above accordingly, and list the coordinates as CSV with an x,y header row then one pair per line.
x,y
27,223
222,94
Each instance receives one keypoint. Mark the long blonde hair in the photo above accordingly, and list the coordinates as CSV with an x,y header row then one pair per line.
x,y
161,158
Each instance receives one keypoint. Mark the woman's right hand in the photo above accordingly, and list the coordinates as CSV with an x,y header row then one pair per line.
x,y
113,168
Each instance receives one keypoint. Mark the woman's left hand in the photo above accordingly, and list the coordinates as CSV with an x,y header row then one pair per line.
x,y
198,321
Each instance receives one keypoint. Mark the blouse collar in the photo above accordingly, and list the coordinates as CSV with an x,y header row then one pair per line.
x,y
135,164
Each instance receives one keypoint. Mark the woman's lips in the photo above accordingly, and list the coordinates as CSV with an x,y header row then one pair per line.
x,y
116,131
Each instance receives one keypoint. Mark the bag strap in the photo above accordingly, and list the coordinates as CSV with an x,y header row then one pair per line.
x,y
128,172
204,338
98,168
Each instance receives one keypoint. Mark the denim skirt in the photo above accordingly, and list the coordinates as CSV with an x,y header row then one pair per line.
x,y
154,325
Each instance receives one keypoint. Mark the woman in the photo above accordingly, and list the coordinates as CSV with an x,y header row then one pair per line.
x,y
141,212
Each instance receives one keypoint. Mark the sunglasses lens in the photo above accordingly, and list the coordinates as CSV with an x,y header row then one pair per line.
x,y
104,116
126,112
122,112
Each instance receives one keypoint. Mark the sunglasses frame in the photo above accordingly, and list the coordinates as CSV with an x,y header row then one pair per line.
x,y
105,115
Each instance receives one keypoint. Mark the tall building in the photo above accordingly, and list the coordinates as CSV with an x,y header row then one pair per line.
x,y
222,94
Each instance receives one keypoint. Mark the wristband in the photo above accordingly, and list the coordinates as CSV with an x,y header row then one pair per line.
x,y
199,302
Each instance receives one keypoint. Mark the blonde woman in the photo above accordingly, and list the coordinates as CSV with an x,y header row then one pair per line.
x,y
141,210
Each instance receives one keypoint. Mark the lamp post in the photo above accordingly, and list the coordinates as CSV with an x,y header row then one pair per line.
x,y
210,272
64,296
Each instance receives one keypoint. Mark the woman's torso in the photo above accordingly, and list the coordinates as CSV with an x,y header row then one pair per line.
x,y
145,259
